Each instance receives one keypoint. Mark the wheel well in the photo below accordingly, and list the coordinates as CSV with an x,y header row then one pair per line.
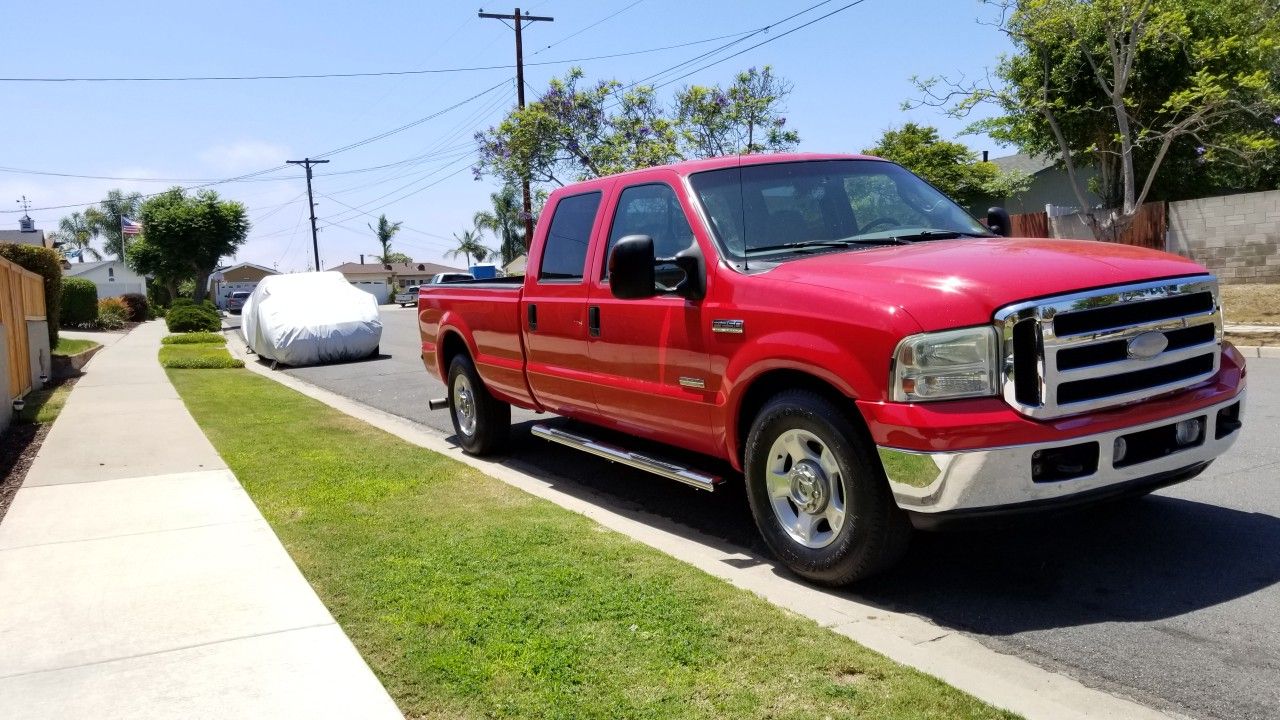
x,y
775,381
451,345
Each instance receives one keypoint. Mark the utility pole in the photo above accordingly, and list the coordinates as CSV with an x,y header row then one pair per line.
x,y
518,21
311,203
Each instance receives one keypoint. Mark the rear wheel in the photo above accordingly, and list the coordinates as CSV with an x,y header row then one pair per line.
x,y
818,493
481,422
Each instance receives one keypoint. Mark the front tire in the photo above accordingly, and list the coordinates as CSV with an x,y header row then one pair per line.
x,y
481,422
818,492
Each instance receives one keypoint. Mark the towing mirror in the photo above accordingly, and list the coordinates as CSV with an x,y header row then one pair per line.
x,y
631,268
998,221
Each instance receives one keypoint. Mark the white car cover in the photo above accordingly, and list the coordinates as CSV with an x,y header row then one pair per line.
x,y
310,318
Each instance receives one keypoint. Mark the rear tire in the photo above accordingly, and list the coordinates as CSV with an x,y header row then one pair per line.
x,y
481,422
818,492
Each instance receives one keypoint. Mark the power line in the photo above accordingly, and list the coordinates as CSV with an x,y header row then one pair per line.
x,y
602,20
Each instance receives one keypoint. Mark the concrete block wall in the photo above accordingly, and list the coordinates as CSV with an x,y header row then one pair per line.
x,y
1235,236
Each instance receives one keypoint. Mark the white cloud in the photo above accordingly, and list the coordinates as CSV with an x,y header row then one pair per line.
x,y
244,155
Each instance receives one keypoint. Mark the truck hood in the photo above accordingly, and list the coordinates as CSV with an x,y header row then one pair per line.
x,y
953,283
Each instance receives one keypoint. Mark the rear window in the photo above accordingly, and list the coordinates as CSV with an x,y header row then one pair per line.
x,y
564,254
239,295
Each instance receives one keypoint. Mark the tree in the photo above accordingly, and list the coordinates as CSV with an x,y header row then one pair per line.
x,y
949,166
577,130
1131,87
746,118
394,257
185,236
116,205
385,231
505,221
79,231
469,245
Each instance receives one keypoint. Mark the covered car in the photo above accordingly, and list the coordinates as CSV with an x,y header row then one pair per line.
x,y
311,318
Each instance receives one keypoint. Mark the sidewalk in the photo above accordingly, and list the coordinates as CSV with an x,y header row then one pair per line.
x,y
138,580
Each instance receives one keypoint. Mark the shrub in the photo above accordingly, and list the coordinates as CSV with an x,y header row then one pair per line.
x,y
48,264
192,318
194,338
158,294
79,302
182,302
137,309
112,313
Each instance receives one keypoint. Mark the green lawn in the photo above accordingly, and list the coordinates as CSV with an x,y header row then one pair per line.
x,y
43,406
198,357
195,338
471,599
68,346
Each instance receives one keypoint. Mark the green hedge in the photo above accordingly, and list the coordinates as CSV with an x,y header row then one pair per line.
x,y
192,318
48,264
204,357
79,302
194,338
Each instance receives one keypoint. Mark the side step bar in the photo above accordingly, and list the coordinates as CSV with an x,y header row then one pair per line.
x,y
663,468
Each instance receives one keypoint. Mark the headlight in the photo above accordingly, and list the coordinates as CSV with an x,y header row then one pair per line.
x,y
945,365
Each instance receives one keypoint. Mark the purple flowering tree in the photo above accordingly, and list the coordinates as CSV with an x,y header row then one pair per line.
x,y
742,119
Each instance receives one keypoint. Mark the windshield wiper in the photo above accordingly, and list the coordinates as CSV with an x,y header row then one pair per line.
x,y
846,242
938,235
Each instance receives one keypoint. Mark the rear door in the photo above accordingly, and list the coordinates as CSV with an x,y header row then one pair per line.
x,y
649,355
555,305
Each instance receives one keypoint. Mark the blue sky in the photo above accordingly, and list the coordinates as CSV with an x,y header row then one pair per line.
x,y
851,73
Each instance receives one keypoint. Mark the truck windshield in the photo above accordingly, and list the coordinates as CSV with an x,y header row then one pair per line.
x,y
798,207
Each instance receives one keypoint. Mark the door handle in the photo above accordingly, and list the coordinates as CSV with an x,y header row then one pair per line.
x,y
593,320
533,318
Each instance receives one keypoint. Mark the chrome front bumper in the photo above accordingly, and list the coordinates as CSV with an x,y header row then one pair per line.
x,y
996,478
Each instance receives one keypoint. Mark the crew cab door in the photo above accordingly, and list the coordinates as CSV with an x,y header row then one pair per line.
x,y
555,306
649,356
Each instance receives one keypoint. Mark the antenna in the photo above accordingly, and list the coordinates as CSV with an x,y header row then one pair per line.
x,y
25,203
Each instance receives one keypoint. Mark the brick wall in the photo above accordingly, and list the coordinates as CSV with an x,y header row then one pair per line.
x,y
1236,236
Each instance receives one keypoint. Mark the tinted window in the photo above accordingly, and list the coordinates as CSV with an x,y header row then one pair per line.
x,y
651,210
565,253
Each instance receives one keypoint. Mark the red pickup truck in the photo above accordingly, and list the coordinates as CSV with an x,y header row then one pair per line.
x,y
867,355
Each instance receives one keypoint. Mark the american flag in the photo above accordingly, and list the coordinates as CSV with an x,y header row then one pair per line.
x,y
129,226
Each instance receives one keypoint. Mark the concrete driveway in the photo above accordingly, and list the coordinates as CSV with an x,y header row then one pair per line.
x,y
1171,600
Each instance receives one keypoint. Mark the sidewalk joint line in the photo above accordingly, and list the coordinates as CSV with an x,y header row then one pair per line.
x,y
132,534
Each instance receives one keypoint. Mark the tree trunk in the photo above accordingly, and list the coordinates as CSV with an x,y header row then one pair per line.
x,y
202,280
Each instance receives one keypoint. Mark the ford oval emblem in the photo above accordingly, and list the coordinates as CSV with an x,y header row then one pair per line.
x,y
1147,345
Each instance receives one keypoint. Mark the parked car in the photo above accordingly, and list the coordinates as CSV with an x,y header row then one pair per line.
x,y
235,301
311,318
409,295
867,355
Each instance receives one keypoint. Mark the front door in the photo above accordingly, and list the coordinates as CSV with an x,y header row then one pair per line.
x,y
649,355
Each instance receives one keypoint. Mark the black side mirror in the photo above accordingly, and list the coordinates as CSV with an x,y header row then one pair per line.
x,y
998,221
693,286
631,268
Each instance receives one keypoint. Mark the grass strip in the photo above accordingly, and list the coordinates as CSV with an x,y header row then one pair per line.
x,y
202,357
195,338
470,598
1251,304
43,406
69,346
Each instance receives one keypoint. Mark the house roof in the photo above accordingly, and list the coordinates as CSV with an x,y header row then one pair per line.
x,y
22,237
1024,163
80,268
517,265
237,266
409,268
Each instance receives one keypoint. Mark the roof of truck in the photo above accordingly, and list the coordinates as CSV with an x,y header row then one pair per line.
x,y
688,167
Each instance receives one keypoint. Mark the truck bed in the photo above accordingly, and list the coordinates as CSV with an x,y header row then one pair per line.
x,y
485,314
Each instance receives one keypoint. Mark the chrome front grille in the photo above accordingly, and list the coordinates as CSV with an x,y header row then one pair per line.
x,y
1076,353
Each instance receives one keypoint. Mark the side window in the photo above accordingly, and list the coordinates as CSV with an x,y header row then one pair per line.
x,y
652,210
564,255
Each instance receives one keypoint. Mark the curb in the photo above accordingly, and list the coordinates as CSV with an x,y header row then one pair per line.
x,y
1259,351
1005,681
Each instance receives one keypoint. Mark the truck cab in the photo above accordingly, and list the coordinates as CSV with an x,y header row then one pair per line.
x,y
868,356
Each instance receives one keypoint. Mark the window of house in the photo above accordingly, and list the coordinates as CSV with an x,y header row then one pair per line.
x,y
564,255
111,274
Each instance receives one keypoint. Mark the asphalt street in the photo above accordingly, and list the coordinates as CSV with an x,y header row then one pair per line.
x,y
1172,600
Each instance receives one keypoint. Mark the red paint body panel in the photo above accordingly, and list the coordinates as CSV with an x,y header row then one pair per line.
x,y
834,316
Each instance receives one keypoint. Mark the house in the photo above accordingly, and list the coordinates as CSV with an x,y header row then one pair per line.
x,y
382,281
516,266
1049,184
113,277
242,276
27,234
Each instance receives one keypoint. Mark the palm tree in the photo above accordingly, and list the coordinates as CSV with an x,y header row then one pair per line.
x,y
506,222
78,231
469,245
385,231
116,205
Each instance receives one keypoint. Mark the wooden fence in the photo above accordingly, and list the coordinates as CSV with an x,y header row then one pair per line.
x,y
1147,229
21,299
1030,225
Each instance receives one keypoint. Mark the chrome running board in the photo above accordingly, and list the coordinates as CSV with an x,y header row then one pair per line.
x,y
663,468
